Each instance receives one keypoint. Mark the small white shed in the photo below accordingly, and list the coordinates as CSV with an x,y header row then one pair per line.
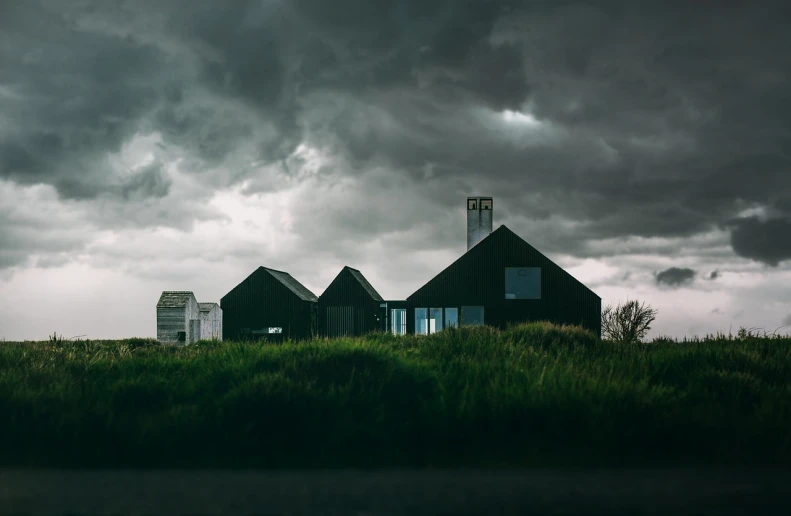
x,y
178,317
210,321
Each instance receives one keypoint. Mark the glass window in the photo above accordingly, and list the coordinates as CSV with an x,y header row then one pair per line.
x,y
421,321
435,320
451,317
523,283
398,321
471,315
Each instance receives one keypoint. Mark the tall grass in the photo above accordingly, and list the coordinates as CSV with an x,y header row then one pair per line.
x,y
531,395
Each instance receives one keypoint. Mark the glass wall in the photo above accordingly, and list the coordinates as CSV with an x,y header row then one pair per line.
x,y
471,315
398,321
421,321
435,320
451,317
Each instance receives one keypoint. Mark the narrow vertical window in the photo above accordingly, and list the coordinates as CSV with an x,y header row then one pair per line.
x,y
451,317
435,320
398,321
421,321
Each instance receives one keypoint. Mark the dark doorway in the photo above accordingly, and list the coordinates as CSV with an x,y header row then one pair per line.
x,y
383,326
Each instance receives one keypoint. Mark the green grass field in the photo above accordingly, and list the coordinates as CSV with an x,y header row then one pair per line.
x,y
535,395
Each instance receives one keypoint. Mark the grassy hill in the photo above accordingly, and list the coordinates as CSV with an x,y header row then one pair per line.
x,y
532,395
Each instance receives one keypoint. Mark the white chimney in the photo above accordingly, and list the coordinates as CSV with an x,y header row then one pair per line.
x,y
479,219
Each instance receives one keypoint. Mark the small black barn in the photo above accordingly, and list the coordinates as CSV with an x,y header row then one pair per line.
x,y
502,279
350,306
272,304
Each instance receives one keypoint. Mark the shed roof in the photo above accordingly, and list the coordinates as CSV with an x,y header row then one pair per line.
x,y
292,284
206,307
174,298
364,282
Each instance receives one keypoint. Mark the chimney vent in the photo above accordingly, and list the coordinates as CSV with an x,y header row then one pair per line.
x,y
479,219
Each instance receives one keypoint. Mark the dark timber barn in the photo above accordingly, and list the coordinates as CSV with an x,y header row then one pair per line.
x,y
501,279
349,306
269,303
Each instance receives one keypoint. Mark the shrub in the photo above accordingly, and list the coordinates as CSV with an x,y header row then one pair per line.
x,y
627,324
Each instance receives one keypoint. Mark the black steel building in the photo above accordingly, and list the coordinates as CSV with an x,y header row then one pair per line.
x,y
502,279
272,304
350,306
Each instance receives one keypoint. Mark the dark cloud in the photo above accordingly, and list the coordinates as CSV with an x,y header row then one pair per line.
x,y
641,146
675,276
635,106
31,223
714,275
72,96
473,81
767,241
782,204
148,182
151,181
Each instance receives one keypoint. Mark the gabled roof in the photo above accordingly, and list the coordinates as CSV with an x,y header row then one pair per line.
x,y
206,307
293,285
174,298
502,232
364,282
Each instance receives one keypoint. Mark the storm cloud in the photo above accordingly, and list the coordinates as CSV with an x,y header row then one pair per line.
x,y
675,276
766,241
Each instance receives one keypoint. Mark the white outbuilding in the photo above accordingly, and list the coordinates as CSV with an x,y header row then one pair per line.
x,y
178,318
210,321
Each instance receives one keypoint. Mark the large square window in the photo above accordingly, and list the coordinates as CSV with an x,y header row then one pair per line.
x,y
471,315
523,283
421,321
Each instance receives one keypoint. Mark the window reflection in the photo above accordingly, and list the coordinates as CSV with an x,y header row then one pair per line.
x,y
523,283
451,317
421,321
398,321
471,315
435,320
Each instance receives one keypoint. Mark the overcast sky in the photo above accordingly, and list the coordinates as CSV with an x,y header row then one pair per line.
x,y
178,145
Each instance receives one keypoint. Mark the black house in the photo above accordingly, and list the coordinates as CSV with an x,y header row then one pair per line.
x,y
502,279
272,304
350,306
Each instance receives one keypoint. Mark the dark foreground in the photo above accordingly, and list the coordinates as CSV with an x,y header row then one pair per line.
x,y
535,395
175,492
